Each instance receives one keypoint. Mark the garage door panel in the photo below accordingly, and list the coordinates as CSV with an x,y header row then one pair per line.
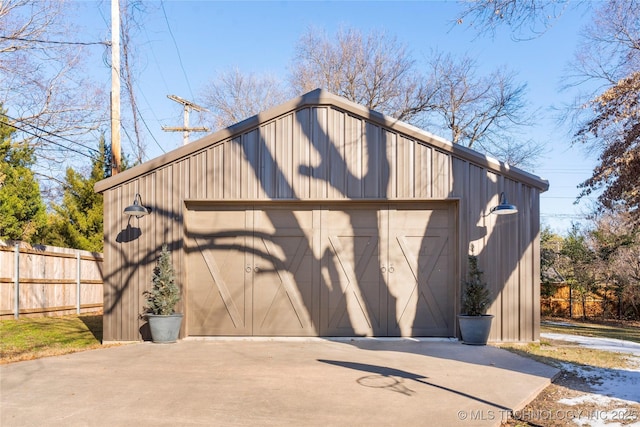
x,y
306,270
420,272
354,302
283,285
218,298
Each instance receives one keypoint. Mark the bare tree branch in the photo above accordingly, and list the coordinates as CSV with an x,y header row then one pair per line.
x,y
377,72
42,84
373,70
482,112
128,25
527,19
233,96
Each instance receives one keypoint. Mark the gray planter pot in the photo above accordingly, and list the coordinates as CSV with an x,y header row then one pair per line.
x,y
164,328
475,329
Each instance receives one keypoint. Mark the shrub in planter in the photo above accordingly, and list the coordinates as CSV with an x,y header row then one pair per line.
x,y
161,300
475,324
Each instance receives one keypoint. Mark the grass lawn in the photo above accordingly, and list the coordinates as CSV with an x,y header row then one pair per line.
x,y
575,392
629,331
555,352
32,338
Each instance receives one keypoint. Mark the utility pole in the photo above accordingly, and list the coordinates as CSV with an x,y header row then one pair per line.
x,y
116,162
185,129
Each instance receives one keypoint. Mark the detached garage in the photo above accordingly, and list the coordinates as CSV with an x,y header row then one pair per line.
x,y
322,218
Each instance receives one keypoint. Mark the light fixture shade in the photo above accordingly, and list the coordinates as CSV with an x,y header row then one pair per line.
x,y
504,208
136,209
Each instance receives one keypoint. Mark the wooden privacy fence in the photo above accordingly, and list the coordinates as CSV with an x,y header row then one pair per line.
x,y
564,303
47,280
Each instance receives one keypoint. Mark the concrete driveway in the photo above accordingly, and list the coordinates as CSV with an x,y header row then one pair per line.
x,y
289,382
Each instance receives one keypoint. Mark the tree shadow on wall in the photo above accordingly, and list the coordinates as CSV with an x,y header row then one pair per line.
x,y
329,167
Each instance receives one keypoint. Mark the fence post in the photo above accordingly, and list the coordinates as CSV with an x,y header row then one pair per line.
x,y
16,282
570,302
78,286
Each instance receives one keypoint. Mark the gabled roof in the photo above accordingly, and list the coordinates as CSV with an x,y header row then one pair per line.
x,y
321,97
552,276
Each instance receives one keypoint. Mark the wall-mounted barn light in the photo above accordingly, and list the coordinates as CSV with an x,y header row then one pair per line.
x,y
504,208
137,209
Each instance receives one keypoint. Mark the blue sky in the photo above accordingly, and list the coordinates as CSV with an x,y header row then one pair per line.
x,y
259,37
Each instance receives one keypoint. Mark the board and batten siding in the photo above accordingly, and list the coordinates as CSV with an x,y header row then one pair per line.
x,y
324,152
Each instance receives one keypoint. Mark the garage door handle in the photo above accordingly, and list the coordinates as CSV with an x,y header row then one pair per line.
x,y
391,269
383,269
248,269
256,269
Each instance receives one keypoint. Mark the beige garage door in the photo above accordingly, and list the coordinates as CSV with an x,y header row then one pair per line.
x,y
321,270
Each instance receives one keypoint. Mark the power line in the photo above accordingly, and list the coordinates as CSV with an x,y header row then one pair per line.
x,y
147,126
564,197
177,49
569,172
48,140
567,216
45,131
564,169
55,41
155,59
126,132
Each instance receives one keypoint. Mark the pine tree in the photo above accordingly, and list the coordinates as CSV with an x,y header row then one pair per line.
x,y
78,221
164,294
22,211
476,294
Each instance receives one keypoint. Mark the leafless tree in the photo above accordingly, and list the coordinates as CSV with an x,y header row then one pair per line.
x,y
132,14
484,112
617,244
606,119
233,96
609,49
447,96
608,123
50,102
128,26
525,18
48,98
627,266
373,70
